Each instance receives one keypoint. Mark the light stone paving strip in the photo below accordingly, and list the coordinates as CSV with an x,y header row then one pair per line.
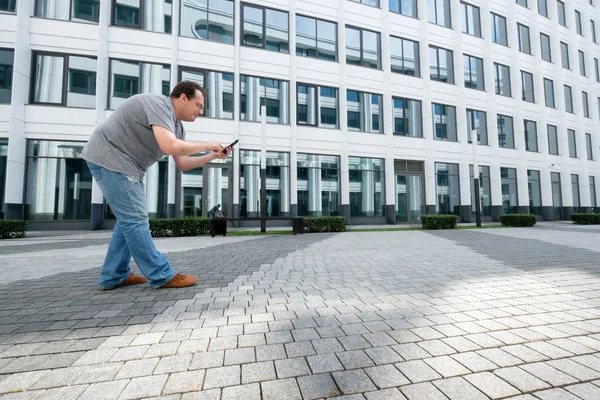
x,y
398,315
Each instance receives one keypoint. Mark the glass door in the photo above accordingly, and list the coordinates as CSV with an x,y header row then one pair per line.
x,y
557,200
216,190
401,199
409,198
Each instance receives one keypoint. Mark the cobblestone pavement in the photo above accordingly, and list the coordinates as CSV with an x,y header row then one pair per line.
x,y
463,314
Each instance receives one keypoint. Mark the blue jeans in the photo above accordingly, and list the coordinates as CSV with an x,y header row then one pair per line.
x,y
131,235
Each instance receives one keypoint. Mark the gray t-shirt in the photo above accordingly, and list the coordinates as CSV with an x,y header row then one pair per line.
x,y
125,142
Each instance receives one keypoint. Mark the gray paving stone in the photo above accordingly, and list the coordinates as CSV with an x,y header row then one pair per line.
x,y
491,385
525,353
317,386
104,391
325,346
383,355
417,371
239,356
324,363
258,372
386,376
590,361
521,379
585,391
299,349
500,357
247,392
436,347
446,366
281,389
424,390
184,382
385,394
144,387
98,373
474,361
549,350
168,365
575,369
355,359
270,352
355,342
291,368
410,351
549,374
555,394
221,377
354,381
21,381
137,368
458,389
57,378
59,393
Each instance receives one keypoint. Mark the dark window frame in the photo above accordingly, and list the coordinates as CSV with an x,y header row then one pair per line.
x,y
208,26
482,79
362,58
466,8
497,84
316,105
404,117
264,27
437,49
337,42
494,15
417,58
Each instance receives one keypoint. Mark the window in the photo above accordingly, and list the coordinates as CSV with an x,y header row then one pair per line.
x,y
444,122
362,47
549,92
317,106
257,92
63,79
374,3
477,120
364,111
3,161
474,78
208,19
408,118
502,80
556,194
265,28
581,63
522,3
318,179
508,180
588,146
598,100
578,23
568,99
499,34
471,21
572,143
485,196
133,77
149,15
441,64
552,140
593,192
562,19
219,85
585,104
447,188
405,56
528,90
546,51
575,190
543,8
535,192
531,142
6,74
404,7
593,29
438,12
564,55
58,182
367,186
74,10
506,136
597,69
316,38
524,39
8,6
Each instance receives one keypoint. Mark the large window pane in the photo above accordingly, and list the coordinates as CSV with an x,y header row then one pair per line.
x,y
59,184
531,136
552,140
585,104
219,85
524,39
471,22
81,89
485,196
3,158
564,55
593,192
506,137
364,111
371,49
535,192
438,12
253,26
405,56
477,120
568,99
132,77
562,19
581,63
404,7
549,93
502,80
6,75
208,19
474,77
447,189
575,190
556,194
528,90
306,36
49,74
8,5
510,204
150,15
277,31
572,138
127,13
353,50
85,10
441,65
327,40
362,48
588,146
499,34
367,187
444,122
256,92
407,117
318,179
54,9
546,47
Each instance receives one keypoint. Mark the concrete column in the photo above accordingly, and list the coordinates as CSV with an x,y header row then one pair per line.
x,y
172,168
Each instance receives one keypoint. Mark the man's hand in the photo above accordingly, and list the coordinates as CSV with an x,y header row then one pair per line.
x,y
214,146
220,154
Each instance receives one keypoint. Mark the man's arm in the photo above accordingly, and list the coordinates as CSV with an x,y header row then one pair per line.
x,y
185,163
169,144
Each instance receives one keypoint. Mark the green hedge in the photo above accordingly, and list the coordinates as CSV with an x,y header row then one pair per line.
x,y
585,219
12,229
325,224
518,220
188,226
444,221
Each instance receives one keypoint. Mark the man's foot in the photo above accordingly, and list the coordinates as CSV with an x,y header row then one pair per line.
x,y
131,280
180,281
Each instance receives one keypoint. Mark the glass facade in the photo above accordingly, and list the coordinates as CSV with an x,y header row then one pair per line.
x,y
6,75
367,187
364,111
439,12
256,92
75,10
318,185
535,192
502,80
485,193
149,15
471,21
447,188
192,183
499,32
473,67
219,86
131,77
510,203
317,106
277,184
59,183
207,19
3,157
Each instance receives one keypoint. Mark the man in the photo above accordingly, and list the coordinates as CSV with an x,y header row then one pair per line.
x,y
135,136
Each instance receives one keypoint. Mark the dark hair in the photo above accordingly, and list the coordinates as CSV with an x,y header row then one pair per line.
x,y
189,89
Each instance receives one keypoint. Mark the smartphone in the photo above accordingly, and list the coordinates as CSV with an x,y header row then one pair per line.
x,y
231,145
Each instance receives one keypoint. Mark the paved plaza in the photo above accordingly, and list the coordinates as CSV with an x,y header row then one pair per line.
x,y
420,315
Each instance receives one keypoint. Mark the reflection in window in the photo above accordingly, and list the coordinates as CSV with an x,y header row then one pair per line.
x,y
444,122
367,187
568,99
552,140
549,92
471,21
499,34
316,38
6,75
256,92
575,190
59,183
404,7
407,117
477,120
362,47
508,178
535,192
80,10
447,189
364,111
506,136
265,28
318,179
502,80
441,64
528,89
593,192
439,13
8,5
531,142
149,15
473,67
208,19
485,197
132,77
572,138
556,194
3,158
317,106
524,39
588,146
219,86
546,47
156,184
405,56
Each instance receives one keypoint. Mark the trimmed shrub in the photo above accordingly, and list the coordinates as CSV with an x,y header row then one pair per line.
x,y
188,226
325,224
12,228
585,219
518,220
444,221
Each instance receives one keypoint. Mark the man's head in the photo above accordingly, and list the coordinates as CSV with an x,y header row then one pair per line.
x,y
188,100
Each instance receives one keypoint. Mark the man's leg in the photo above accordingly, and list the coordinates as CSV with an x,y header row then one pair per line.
x,y
116,264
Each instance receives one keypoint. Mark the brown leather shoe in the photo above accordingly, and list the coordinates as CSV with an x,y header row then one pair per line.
x,y
180,281
131,280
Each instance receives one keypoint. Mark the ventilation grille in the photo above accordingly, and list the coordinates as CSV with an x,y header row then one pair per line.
x,y
406,166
